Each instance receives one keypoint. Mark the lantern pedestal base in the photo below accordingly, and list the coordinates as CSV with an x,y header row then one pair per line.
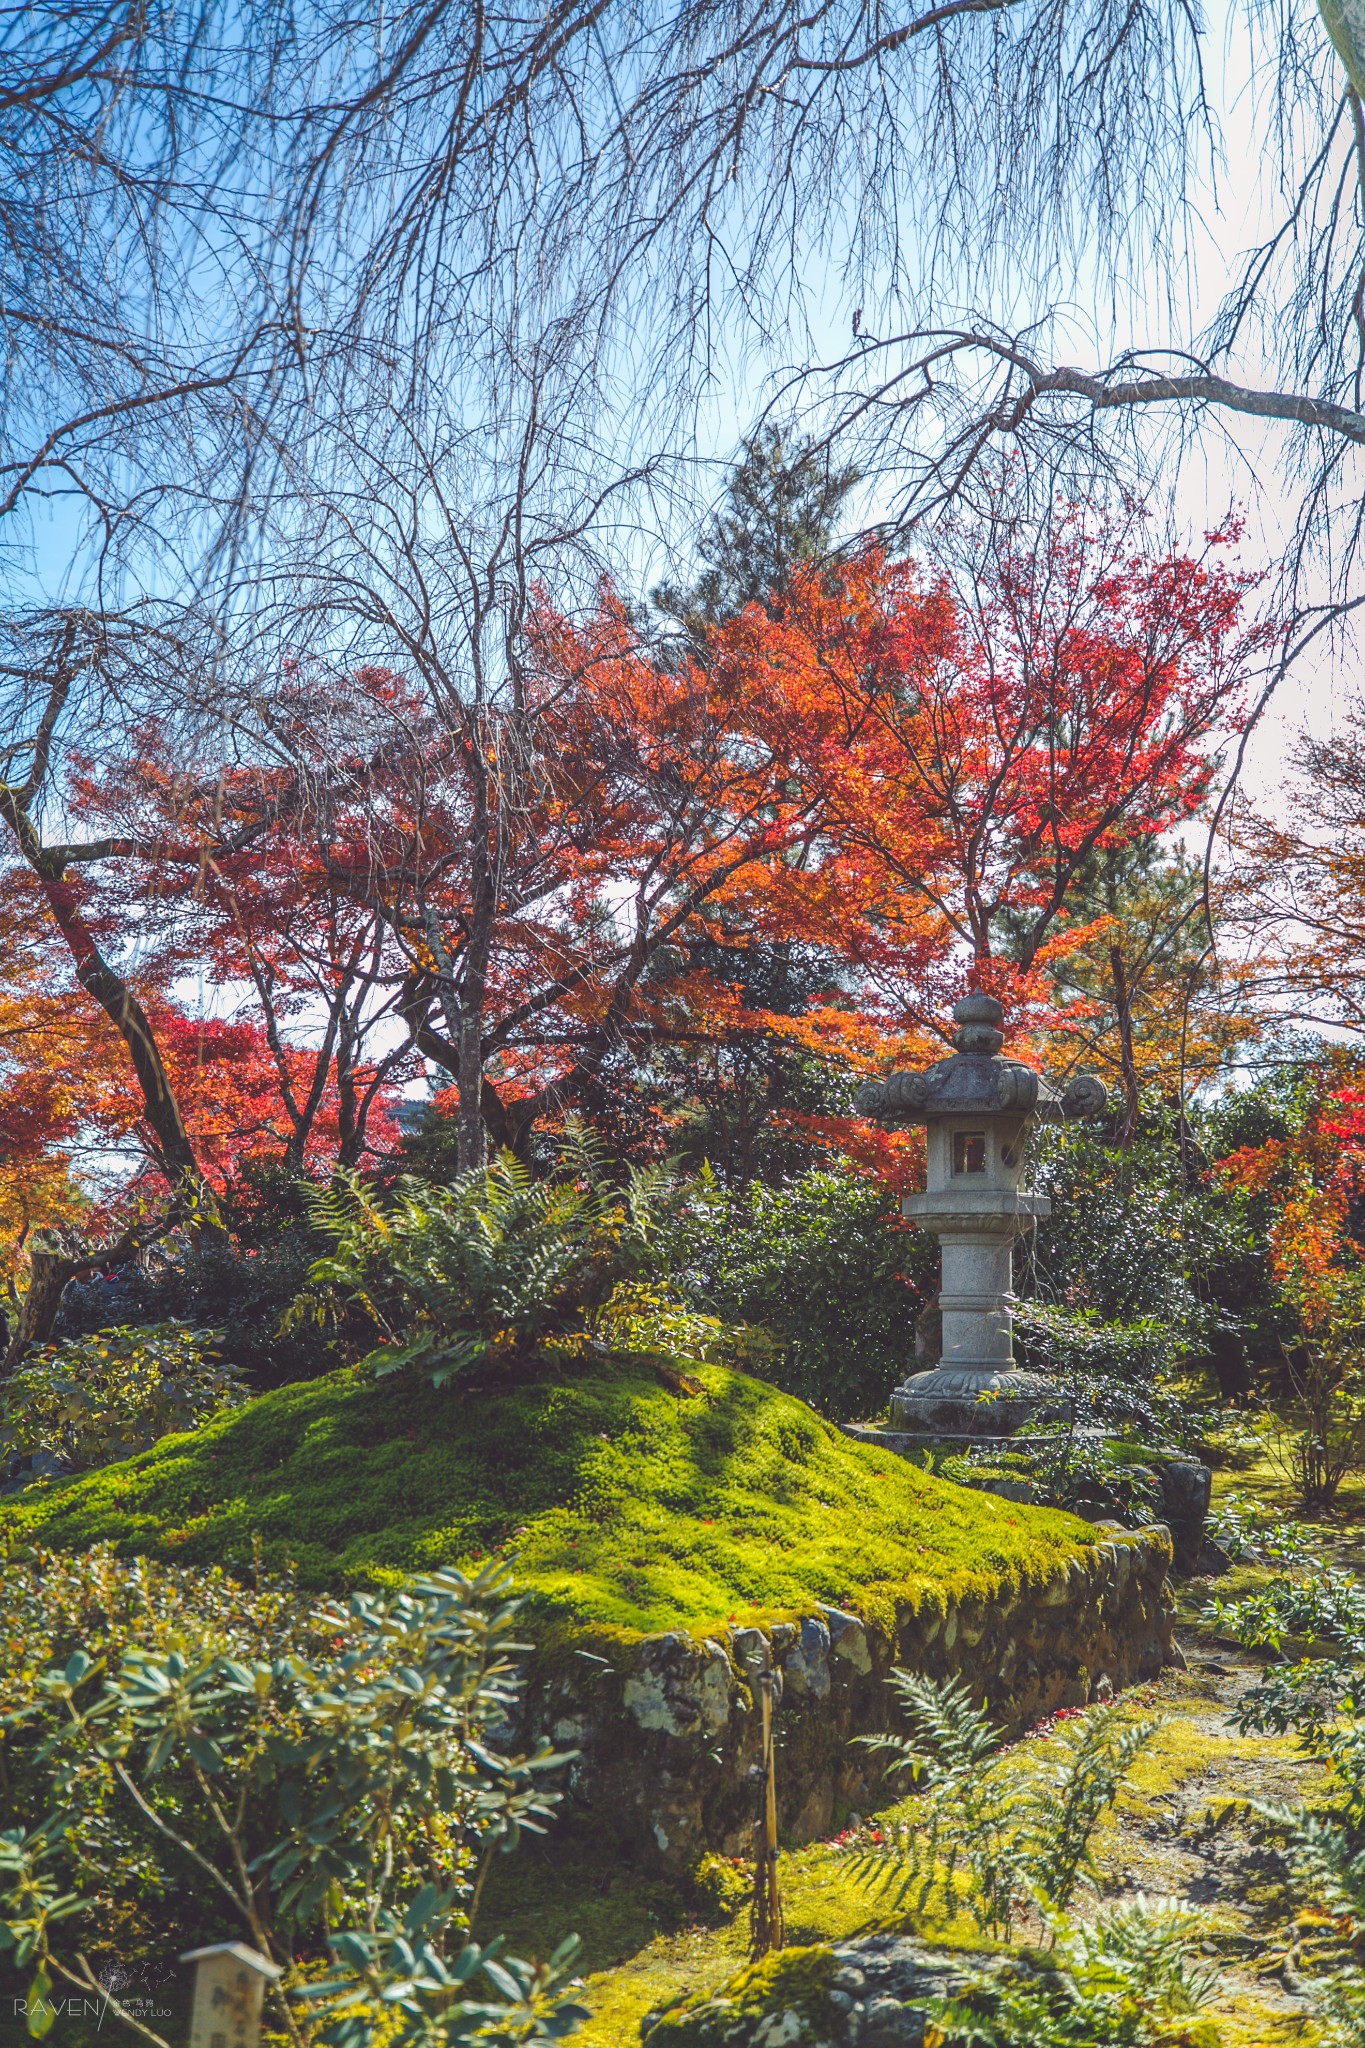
x,y
976,1405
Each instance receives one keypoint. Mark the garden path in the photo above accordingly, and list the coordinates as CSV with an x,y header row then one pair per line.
x,y
1179,1831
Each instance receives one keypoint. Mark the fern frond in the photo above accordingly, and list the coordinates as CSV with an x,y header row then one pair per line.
x,y
951,1734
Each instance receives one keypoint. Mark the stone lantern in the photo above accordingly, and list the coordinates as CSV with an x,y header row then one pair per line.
x,y
978,1109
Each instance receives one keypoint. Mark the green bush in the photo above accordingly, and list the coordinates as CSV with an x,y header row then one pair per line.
x,y
1115,1374
90,1401
1076,1472
1137,1233
242,1283
186,1754
828,1267
1128,1980
1248,1532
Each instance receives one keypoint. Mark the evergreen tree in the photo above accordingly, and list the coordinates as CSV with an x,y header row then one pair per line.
x,y
779,514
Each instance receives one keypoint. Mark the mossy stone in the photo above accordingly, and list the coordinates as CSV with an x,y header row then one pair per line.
x,y
790,1991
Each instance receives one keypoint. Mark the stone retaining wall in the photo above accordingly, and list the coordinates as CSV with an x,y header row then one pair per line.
x,y
668,1732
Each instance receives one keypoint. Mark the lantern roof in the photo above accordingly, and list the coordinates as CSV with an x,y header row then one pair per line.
x,y
976,1080
250,1958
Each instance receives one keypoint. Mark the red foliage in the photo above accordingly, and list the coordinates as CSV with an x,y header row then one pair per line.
x,y
900,772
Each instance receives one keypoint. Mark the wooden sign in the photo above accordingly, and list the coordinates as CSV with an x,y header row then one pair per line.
x,y
229,1983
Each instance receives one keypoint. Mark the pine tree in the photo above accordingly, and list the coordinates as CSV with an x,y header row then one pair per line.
x,y
779,514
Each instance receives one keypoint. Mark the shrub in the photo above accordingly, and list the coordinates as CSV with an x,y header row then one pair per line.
x,y
1128,1980
91,1401
1326,1373
994,1830
1249,1533
243,1284
306,1777
1112,1372
1135,1233
1078,1473
1327,1605
827,1266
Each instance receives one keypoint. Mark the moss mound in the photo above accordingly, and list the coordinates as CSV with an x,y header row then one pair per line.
x,y
631,1509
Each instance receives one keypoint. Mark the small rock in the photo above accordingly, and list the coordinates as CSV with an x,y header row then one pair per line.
x,y
807,1665
748,1647
848,1639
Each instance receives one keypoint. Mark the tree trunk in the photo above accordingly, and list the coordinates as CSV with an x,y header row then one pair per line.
x,y
129,1019
49,1272
472,1147
462,1015
51,1268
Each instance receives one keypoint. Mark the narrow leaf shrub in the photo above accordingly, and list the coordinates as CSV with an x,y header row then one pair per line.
x,y
499,1268
1129,1979
1322,1700
994,1831
190,1760
827,1267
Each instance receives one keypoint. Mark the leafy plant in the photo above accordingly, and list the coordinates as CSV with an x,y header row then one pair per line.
x,y
1248,1533
1328,1606
309,1777
93,1400
1115,1374
1326,1856
500,1267
1134,1237
1127,1980
243,1283
994,1830
1323,1700
827,1266
1313,1175
1341,2004
1071,1470
1326,1372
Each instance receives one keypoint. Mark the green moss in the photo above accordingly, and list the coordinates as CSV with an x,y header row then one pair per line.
x,y
798,1980
631,1509
718,1887
639,1957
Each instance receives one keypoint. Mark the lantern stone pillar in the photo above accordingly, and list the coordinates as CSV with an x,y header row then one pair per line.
x,y
978,1110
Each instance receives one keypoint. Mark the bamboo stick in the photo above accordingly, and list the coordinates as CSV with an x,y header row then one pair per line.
x,y
766,1917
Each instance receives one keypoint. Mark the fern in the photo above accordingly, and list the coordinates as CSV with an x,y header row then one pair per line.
x,y
1077,1776
965,1825
950,1736
1127,1981
1326,1859
992,1830
500,1266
